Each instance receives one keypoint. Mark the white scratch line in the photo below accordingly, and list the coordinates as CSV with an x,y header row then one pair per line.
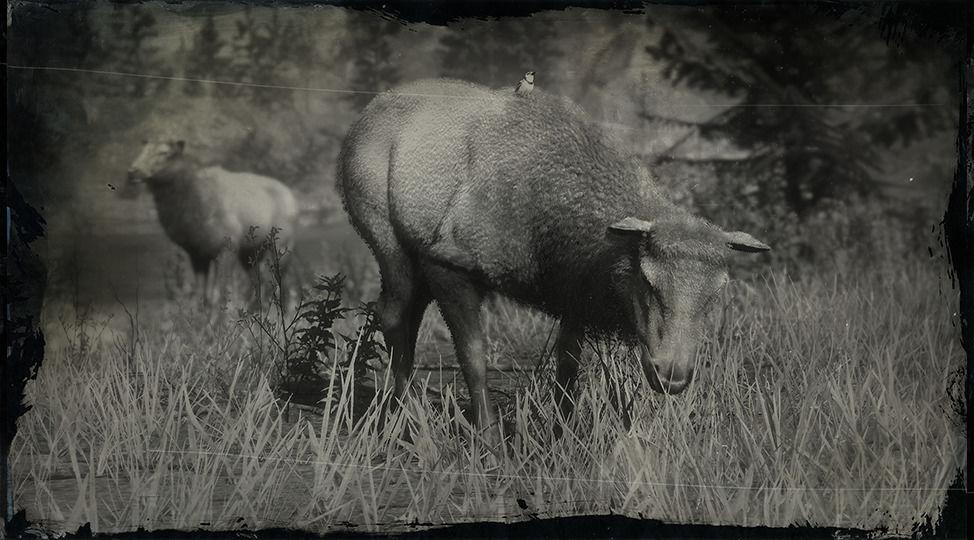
x,y
558,478
230,83
373,92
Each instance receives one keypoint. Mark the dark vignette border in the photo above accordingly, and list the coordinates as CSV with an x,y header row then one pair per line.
x,y
950,24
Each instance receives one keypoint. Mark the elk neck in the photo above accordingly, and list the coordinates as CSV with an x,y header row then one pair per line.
x,y
177,181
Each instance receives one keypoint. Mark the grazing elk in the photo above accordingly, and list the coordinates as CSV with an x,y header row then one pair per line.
x,y
461,190
204,209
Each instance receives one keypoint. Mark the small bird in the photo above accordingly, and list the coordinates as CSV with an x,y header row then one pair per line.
x,y
111,187
524,87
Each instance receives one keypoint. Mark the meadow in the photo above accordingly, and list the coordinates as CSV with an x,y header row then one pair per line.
x,y
824,399
828,383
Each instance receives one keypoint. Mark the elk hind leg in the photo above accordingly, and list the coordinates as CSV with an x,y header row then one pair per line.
x,y
402,304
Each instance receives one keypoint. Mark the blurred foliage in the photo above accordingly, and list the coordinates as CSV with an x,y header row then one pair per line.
x,y
370,56
803,159
500,51
805,112
204,59
126,46
264,49
41,124
805,104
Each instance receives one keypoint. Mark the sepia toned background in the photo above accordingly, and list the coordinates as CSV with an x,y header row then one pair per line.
x,y
808,129
827,131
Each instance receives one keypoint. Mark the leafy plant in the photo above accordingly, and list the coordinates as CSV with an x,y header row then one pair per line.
x,y
315,340
304,342
316,344
364,343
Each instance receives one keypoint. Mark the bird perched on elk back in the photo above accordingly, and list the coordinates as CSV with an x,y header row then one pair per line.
x,y
526,85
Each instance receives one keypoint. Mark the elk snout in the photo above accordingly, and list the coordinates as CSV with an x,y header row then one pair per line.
x,y
667,373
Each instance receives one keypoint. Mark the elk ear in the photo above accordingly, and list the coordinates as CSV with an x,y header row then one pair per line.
x,y
741,241
631,225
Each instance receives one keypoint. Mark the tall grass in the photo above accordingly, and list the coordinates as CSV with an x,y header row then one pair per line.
x,y
821,400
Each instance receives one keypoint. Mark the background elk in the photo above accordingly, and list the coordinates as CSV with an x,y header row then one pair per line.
x,y
205,209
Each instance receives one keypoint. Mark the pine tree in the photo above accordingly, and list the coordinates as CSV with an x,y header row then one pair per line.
x,y
498,52
806,81
204,60
126,47
374,65
270,49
